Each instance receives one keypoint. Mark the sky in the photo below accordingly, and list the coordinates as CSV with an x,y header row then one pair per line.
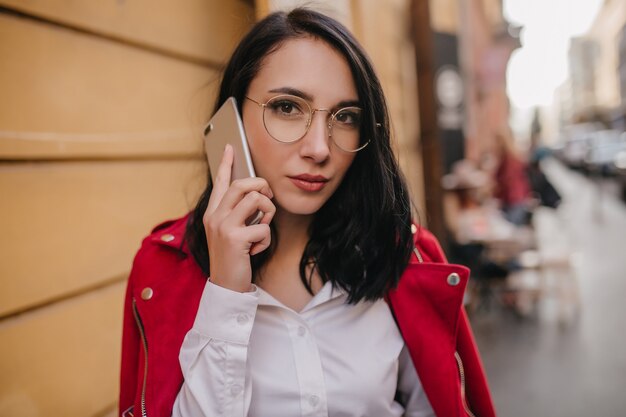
x,y
540,66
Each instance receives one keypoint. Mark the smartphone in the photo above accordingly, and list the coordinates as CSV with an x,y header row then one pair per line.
x,y
226,127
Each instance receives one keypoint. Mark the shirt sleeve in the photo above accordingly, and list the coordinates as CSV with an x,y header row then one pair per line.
x,y
214,354
410,391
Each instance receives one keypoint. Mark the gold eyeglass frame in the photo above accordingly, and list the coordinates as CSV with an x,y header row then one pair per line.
x,y
312,112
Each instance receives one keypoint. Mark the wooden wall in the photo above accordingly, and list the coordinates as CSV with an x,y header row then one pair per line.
x,y
99,120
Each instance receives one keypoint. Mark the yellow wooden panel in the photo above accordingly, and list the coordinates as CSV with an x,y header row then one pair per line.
x,y
63,360
50,145
109,412
55,81
72,225
205,30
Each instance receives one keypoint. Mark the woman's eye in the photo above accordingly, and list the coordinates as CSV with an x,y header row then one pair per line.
x,y
286,108
348,118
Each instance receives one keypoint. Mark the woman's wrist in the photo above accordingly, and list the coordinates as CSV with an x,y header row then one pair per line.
x,y
233,286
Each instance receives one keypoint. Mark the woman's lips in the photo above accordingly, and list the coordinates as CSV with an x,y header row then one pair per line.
x,y
308,182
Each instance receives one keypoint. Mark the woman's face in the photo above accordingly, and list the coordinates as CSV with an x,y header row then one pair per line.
x,y
304,174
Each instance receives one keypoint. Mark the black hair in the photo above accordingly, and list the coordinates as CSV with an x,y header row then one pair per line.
x,y
361,239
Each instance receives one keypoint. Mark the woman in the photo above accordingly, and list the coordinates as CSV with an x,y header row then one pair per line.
x,y
297,314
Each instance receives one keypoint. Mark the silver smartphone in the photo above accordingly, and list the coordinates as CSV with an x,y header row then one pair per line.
x,y
226,127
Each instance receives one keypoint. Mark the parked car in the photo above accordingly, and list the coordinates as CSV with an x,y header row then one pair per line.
x,y
603,147
574,144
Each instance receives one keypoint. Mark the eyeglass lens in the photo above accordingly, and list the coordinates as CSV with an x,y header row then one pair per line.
x,y
287,119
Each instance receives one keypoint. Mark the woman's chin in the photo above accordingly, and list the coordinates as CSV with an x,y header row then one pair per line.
x,y
300,206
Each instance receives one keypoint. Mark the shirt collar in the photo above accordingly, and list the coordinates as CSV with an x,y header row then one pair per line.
x,y
325,294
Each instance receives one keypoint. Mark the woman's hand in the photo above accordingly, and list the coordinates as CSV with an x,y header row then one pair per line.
x,y
231,242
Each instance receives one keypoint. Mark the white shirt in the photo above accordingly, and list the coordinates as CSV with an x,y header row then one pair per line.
x,y
249,355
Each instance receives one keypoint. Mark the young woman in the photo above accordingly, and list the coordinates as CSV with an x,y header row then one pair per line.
x,y
335,304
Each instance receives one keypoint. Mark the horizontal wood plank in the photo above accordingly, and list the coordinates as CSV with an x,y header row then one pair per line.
x,y
201,30
66,95
63,360
71,226
175,144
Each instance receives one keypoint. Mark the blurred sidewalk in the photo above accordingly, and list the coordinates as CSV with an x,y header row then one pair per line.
x,y
564,352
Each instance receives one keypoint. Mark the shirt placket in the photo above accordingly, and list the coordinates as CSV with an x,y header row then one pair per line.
x,y
313,401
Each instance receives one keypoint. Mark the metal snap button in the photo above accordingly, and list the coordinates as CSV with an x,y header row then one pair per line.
x,y
454,279
168,237
147,293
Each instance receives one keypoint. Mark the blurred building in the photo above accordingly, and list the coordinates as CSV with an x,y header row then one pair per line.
x,y
597,66
99,141
485,43
621,69
582,55
561,109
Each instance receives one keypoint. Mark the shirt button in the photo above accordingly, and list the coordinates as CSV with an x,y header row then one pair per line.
x,y
235,390
301,331
242,319
147,293
413,229
454,279
167,237
314,400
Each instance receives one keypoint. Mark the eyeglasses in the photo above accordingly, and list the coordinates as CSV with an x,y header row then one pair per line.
x,y
288,118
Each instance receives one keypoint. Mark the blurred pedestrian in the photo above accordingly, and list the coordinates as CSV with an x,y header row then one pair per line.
x,y
511,185
542,188
331,304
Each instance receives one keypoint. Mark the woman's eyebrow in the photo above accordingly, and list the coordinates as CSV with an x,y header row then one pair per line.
x,y
348,103
292,91
299,93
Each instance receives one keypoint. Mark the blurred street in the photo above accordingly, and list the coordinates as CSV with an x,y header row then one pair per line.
x,y
562,352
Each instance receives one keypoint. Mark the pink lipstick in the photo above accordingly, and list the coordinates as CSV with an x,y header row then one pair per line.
x,y
308,182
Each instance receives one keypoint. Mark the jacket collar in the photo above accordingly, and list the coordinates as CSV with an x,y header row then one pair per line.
x,y
171,234
435,278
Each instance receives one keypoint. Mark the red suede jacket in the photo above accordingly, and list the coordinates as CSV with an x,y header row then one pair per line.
x,y
164,292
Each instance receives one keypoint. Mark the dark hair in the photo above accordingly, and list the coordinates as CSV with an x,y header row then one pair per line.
x,y
360,240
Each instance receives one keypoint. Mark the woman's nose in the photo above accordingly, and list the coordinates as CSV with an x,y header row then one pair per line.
x,y
316,142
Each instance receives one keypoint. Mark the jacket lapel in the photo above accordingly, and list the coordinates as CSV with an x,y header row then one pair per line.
x,y
427,306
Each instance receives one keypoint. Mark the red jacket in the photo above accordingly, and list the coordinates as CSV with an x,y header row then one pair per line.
x,y
164,292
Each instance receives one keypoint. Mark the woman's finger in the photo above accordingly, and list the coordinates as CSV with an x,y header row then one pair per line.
x,y
261,235
249,205
221,182
242,187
